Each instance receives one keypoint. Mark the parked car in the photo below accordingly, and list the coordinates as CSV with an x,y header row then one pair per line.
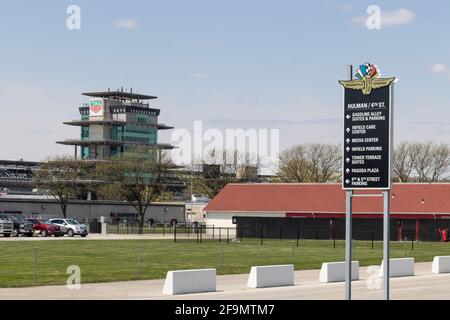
x,y
72,227
6,227
20,226
46,228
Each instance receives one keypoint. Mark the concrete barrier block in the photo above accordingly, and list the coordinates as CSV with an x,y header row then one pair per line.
x,y
335,271
190,281
271,276
399,267
441,264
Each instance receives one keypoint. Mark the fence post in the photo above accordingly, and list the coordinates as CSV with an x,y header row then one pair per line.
x,y
405,241
412,242
280,233
201,227
298,234
35,264
164,230
334,238
213,232
220,235
262,234
196,232
292,253
317,234
175,233
228,235
118,228
138,262
372,239
221,257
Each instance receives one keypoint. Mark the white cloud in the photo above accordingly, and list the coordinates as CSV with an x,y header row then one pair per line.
x,y
126,24
200,75
398,17
389,18
438,68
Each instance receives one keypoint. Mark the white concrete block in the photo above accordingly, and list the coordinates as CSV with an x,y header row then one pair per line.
x,y
335,271
399,267
441,264
190,281
271,276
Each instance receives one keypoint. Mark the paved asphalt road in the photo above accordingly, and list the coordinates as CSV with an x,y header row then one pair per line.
x,y
424,285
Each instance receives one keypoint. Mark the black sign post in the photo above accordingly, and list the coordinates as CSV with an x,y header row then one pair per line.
x,y
367,139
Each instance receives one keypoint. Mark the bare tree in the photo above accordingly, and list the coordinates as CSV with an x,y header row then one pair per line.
x,y
403,161
412,161
310,163
136,176
329,162
440,154
421,152
63,177
294,165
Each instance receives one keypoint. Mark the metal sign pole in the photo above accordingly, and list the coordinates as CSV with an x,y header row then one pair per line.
x,y
348,227
386,238
348,245
386,202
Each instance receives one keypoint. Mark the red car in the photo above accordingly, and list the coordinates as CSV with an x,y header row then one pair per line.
x,y
46,227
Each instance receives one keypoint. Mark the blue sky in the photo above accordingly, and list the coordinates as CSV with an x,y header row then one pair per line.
x,y
232,64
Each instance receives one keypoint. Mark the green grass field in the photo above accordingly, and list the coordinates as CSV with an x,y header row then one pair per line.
x,y
117,260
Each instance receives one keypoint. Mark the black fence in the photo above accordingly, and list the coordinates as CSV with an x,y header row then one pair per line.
x,y
289,229
181,232
323,229
156,229
95,227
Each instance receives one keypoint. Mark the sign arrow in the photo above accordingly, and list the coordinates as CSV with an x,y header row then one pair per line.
x,y
347,170
348,130
348,149
347,181
348,116
348,140
347,160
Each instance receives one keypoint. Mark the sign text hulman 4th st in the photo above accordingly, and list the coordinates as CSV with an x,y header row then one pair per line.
x,y
367,130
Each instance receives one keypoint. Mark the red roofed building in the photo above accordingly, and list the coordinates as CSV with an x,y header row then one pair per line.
x,y
416,208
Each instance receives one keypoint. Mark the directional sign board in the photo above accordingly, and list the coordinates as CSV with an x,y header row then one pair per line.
x,y
367,134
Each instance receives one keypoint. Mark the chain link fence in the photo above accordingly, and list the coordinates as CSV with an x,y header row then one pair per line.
x,y
150,255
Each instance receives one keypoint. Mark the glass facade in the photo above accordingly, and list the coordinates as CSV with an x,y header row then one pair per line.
x,y
139,132
84,133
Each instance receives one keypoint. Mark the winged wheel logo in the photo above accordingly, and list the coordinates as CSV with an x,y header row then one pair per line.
x,y
367,79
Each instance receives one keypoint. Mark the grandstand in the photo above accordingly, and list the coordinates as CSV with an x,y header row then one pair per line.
x,y
16,176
